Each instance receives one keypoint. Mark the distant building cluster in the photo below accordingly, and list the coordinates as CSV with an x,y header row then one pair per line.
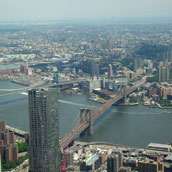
x,y
162,90
106,158
26,70
6,73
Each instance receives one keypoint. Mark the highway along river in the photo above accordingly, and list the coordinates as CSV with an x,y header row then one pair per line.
x,y
130,125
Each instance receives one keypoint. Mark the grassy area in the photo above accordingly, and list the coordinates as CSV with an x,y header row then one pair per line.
x,y
133,100
134,168
153,78
135,79
101,100
165,103
25,166
103,96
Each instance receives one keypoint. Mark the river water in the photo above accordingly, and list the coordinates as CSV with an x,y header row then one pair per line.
x,y
127,125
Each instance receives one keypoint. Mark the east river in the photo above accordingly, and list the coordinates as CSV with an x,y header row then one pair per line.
x,y
135,126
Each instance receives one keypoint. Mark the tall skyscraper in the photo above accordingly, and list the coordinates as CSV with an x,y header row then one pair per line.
x,y
169,55
44,150
94,69
110,71
137,63
163,73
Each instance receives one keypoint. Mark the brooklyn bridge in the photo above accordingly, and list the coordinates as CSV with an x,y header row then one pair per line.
x,y
88,116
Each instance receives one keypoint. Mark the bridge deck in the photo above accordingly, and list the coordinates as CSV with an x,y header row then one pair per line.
x,y
16,131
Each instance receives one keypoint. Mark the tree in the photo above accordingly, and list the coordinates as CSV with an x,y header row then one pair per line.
x,y
22,147
12,164
6,166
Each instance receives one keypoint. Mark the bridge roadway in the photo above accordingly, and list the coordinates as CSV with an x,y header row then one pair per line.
x,y
16,131
13,91
37,85
81,127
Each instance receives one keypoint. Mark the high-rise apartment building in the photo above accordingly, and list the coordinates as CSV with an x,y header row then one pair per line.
x,y
90,67
23,68
150,166
110,71
163,73
44,150
137,63
8,148
94,69
114,162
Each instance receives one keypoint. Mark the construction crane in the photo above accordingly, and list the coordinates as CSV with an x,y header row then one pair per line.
x,y
64,162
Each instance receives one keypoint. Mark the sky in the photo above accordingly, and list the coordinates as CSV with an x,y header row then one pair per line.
x,y
86,9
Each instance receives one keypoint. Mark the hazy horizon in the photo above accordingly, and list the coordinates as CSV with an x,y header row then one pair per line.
x,y
17,10
91,21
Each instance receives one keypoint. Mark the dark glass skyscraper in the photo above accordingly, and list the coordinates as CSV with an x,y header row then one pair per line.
x,y
44,150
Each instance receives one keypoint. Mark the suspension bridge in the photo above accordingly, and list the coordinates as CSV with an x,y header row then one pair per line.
x,y
88,116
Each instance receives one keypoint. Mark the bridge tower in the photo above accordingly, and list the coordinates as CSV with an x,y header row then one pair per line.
x,y
91,122
123,90
121,83
86,115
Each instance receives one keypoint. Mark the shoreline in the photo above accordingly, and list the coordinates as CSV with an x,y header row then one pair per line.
x,y
129,104
17,82
160,107
135,104
109,145
14,81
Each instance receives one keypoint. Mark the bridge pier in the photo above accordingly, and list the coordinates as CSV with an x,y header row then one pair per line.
x,y
87,116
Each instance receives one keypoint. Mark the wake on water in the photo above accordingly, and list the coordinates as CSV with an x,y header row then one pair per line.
x,y
67,102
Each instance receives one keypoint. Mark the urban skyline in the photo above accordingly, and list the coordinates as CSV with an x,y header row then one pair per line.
x,y
114,82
